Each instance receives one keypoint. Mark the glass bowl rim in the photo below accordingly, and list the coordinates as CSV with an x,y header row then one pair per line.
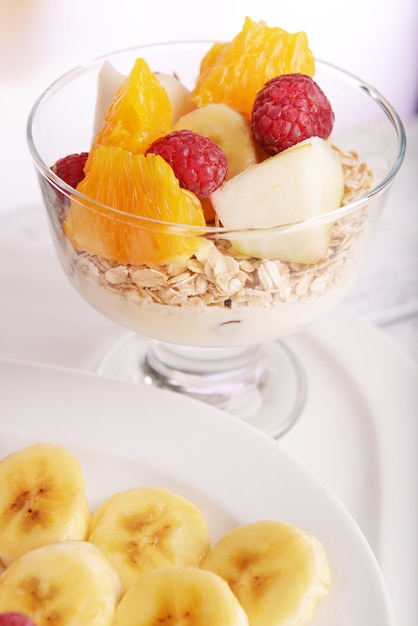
x,y
330,216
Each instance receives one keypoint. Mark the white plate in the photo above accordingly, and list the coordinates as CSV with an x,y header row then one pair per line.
x,y
125,436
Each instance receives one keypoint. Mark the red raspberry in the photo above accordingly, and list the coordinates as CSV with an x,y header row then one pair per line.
x,y
71,168
13,618
287,110
197,161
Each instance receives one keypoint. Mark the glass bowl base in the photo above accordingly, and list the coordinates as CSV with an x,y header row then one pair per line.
x,y
263,385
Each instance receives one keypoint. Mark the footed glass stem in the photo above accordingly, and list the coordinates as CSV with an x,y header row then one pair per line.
x,y
263,385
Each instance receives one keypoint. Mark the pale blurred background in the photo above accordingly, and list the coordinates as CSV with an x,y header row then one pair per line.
x,y
41,39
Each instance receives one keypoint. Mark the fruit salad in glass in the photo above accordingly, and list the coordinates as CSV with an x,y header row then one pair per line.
x,y
214,197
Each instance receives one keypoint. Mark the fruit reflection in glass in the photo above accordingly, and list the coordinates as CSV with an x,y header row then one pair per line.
x,y
209,283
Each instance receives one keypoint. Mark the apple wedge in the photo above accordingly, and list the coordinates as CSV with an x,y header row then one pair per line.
x,y
301,182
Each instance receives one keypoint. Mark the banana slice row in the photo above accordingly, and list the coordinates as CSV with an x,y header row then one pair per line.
x,y
144,556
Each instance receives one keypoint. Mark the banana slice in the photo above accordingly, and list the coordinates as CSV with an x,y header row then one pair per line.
x,y
180,595
145,528
42,499
227,128
277,571
68,583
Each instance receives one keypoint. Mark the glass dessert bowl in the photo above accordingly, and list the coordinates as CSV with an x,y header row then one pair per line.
x,y
206,320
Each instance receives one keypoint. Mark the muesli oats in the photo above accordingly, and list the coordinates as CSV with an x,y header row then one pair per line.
x,y
218,276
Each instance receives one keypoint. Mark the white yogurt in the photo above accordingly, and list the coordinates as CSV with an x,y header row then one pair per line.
x,y
212,325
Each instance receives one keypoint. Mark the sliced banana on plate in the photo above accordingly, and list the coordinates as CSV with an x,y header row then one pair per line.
x,y
180,595
69,583
146,528
277,571
42,499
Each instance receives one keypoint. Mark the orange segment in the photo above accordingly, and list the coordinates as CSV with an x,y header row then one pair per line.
x,y
135,185
234,72
140,112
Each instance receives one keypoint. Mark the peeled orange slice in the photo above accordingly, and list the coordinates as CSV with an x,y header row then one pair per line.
x,y
139,113
135,186
234,72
